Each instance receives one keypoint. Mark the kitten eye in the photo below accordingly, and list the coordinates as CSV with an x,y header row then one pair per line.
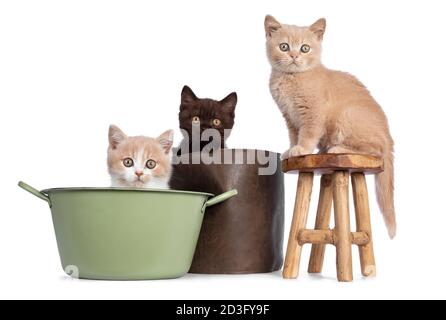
x,y
305,48
151,164
196,120
284,47
128,162
216,122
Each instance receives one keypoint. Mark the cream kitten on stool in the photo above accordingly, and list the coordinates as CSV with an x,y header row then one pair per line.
x,y
326,109
139,162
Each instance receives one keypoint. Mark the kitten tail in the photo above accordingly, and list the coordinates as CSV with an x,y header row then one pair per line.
x,y
384,193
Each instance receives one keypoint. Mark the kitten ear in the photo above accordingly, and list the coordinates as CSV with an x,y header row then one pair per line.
x,y
271,25
230,102
318,28
115,136
166,140
187,95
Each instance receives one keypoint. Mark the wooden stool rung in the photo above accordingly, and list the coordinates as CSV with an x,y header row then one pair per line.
x,y
307,236
360,238
315,237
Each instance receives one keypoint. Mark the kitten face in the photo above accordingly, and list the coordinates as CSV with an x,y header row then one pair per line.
x,y
207,113
294,49
139,162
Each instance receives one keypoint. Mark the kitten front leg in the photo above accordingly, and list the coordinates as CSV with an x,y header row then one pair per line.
x,y
293,134
308,141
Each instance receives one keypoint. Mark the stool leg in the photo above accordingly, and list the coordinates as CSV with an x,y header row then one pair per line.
x,y
322,222
362,212
301,207
342,227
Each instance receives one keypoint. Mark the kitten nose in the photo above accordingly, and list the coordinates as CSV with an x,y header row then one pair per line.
x,y
294,55
139,173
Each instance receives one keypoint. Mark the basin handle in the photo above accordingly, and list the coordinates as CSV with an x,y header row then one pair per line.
x,y
35,192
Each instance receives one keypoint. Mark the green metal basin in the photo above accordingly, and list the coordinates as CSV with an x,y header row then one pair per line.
x,y
126,234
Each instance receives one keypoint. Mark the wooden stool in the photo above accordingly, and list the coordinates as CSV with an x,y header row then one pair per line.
x,y
335,170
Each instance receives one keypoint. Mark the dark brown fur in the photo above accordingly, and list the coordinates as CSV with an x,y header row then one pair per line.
x,y
207,110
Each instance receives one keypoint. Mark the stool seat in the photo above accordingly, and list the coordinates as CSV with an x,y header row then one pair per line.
x,y
329,163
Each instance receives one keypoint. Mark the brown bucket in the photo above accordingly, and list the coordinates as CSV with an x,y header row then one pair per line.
x,y
244,234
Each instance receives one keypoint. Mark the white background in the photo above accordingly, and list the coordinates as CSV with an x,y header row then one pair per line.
x,y
68,69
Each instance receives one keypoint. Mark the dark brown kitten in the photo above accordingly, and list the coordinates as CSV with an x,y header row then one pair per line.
x,y
208,113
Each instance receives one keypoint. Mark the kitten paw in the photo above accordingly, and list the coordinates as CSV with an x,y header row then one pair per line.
x,y
295,151
340,150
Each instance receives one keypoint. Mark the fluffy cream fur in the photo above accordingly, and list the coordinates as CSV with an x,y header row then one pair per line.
x,y
140,150
327,109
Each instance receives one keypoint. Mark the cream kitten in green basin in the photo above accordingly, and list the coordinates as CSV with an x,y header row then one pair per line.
x,y
139,162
